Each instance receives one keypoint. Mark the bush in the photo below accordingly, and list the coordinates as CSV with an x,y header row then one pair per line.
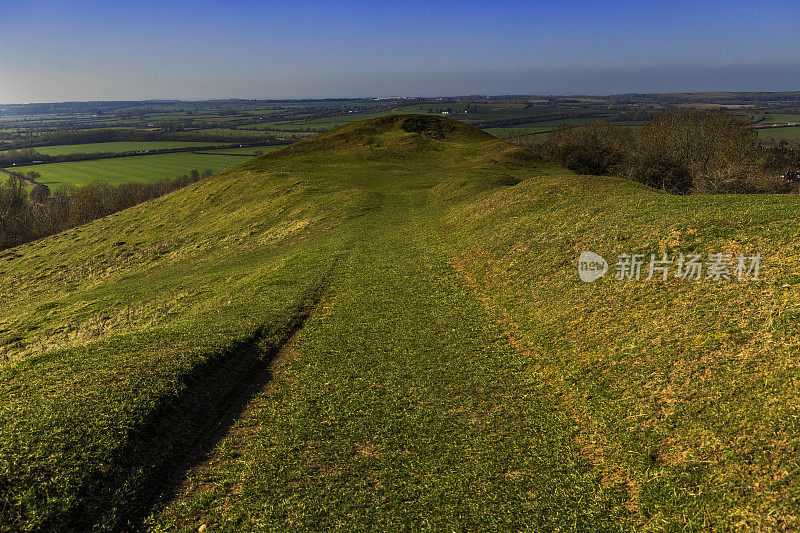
x,y
40,193
597,148
678,152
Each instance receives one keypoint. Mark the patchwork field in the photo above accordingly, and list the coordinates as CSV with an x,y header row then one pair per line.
x,y
382,328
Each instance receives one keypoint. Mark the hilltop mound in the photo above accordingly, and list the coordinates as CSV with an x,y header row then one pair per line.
x,y
394,131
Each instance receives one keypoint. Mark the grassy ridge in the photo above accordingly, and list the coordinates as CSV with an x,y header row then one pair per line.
x,y
685,392
457,375
100,342
405,408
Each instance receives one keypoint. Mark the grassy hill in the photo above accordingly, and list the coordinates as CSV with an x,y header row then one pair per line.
x,y
406,288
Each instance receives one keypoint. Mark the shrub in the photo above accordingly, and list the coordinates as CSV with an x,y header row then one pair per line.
x,y
678,152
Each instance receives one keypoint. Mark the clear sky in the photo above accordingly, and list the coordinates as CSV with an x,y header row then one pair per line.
x,y
114,50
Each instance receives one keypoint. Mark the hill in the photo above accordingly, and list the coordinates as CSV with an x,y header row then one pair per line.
x,y
383,327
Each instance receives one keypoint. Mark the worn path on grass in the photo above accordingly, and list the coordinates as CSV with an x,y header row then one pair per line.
x,y
404,407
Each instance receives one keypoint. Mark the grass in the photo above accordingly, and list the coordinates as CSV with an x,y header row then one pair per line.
x,y
114,147
791,132
251,150
541,132
780,118
319,124
455,375
145,168
244,134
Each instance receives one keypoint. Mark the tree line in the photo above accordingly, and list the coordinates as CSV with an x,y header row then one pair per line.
x,y
75,136
27,156
25,216
678,152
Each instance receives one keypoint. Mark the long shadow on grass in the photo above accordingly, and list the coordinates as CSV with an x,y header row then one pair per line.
x,y
184,431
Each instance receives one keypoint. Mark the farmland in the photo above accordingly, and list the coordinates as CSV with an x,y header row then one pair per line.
x,y
393,311
114,147
781,118
177,125
116,127
791,132
143,168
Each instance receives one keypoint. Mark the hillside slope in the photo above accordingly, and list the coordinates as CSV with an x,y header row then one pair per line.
x,y
450,369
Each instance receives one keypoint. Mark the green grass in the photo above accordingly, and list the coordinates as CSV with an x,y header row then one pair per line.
x,y
541,132
792,132
145,168
246,135
247,151
780,118
455,375
319,124
115,147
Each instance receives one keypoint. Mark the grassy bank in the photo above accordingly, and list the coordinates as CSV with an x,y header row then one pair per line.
x,y
455,374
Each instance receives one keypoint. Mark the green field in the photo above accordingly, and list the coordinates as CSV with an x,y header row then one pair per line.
x,y
115,147
320,124
792,132
145,168
250,150
780,118
387,322
520,130
245,134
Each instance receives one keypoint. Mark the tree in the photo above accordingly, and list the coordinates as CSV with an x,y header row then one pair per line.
x,y
40,193
13,227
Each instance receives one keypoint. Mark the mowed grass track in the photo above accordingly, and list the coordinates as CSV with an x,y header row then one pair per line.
x,y
140,168
455,373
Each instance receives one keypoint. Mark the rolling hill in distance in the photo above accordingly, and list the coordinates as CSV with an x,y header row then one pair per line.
x,y
382,327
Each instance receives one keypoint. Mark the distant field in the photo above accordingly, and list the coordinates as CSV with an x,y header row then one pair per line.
x,y
780,118
115,147
244,134
282,126
247,151
519,130
145,168
324,124
319,124
541,128
781,133
423,108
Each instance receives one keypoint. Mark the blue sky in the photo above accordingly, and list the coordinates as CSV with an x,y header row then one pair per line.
x,y
60,50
